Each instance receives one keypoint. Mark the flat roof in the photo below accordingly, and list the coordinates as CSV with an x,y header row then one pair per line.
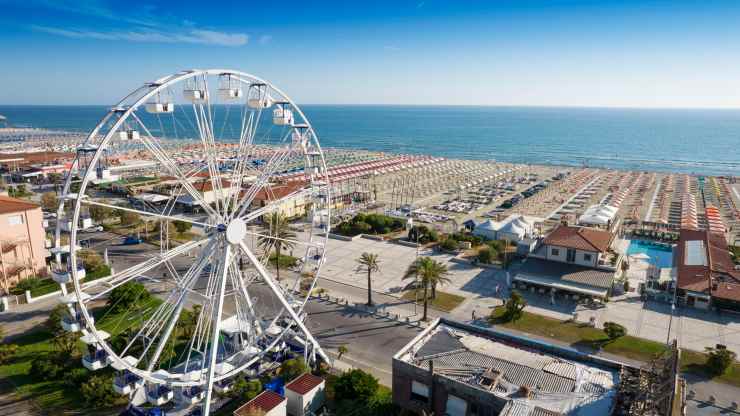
x,y
561,380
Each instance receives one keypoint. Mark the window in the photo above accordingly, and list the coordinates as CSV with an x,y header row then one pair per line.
x,y
419,392
586,257
456,406
15,220
554,252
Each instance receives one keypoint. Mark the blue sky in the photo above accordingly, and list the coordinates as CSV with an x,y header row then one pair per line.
x,y
575,53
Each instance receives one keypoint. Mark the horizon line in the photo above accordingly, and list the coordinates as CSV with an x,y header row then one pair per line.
x,y
558,106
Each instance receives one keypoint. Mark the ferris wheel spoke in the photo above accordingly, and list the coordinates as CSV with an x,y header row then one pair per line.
x,y
133,272
281,297
88,201
267,173
275,205
179,292
149,142
213,351
241,290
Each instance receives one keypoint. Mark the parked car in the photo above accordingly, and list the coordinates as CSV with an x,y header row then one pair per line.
x,y
131,240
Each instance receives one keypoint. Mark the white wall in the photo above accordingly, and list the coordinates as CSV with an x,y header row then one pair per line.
x,y
563,253
311,401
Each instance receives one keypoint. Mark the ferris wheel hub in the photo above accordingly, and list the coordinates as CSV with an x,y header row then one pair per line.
x,y
236,231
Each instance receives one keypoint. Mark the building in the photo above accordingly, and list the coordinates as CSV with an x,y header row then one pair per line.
x,y
456,369
706,274
575,260
305,395
290,206
22,251
268,402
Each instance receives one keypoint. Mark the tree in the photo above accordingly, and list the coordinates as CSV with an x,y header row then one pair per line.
x,y
128,217
613,330
188,321
514,306
355,385
430,273
449,244
719,359
342,350
100,213
277,238
98,391
126,296
49,201
65,343
245,389
369,262
182,226
292,368
53,322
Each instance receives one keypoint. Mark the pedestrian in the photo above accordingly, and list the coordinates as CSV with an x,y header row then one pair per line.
x,y
498,289
473,314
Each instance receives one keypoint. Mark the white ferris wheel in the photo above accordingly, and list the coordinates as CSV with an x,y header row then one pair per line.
x,y
221,142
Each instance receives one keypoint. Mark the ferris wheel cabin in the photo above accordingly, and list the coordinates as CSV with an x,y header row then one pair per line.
x,y
96,357
124,382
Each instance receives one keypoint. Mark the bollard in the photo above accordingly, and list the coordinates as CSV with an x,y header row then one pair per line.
x,y
397,317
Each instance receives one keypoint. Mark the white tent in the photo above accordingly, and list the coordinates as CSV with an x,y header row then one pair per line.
x,y
598,215
486,229
516,229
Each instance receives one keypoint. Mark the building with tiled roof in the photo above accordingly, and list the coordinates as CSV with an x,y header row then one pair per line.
x,y
268,402
705,273
305,395
22,250
572,260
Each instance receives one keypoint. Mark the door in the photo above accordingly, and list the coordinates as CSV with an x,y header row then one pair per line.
x,y
570,256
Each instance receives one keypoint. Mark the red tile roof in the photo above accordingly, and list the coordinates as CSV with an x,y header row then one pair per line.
x,y
9,205
265,401
580,238
304,383
275,192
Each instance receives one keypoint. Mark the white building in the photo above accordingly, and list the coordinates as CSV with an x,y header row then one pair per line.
x,y
305,395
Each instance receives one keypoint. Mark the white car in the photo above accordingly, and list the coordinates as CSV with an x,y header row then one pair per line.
x,y
94,228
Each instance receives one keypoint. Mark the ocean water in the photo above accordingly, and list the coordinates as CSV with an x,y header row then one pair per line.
x,y
686,140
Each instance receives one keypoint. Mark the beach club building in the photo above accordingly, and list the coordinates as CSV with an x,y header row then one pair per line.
x,y
706,274
576,261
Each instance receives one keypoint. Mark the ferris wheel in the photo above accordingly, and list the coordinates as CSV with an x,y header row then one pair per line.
x,y
232,157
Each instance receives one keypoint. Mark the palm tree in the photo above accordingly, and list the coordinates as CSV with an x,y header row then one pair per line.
x,y
430,273
368,262
278,236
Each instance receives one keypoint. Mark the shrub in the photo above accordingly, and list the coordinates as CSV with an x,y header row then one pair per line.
x,y
98,391
719,359
355,385
53,322
76,376
46,368
28,284
7,351
91,260
245,389
292,368
449,244
182,226
485,255
613,330
128,217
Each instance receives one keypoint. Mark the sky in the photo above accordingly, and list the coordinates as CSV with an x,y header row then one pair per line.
x,y
457,52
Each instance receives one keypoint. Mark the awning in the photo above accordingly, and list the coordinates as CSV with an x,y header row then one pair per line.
x,y
560,285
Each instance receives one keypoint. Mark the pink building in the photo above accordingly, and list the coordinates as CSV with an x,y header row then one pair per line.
x,y
22,252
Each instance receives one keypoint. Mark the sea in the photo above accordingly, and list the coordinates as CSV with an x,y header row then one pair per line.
x,y
695,141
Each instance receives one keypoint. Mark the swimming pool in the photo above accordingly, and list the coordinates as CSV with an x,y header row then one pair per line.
x,y
660,255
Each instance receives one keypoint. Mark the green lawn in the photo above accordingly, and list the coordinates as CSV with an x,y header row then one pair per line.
x,y
444,301
578,334
55,396
635,348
